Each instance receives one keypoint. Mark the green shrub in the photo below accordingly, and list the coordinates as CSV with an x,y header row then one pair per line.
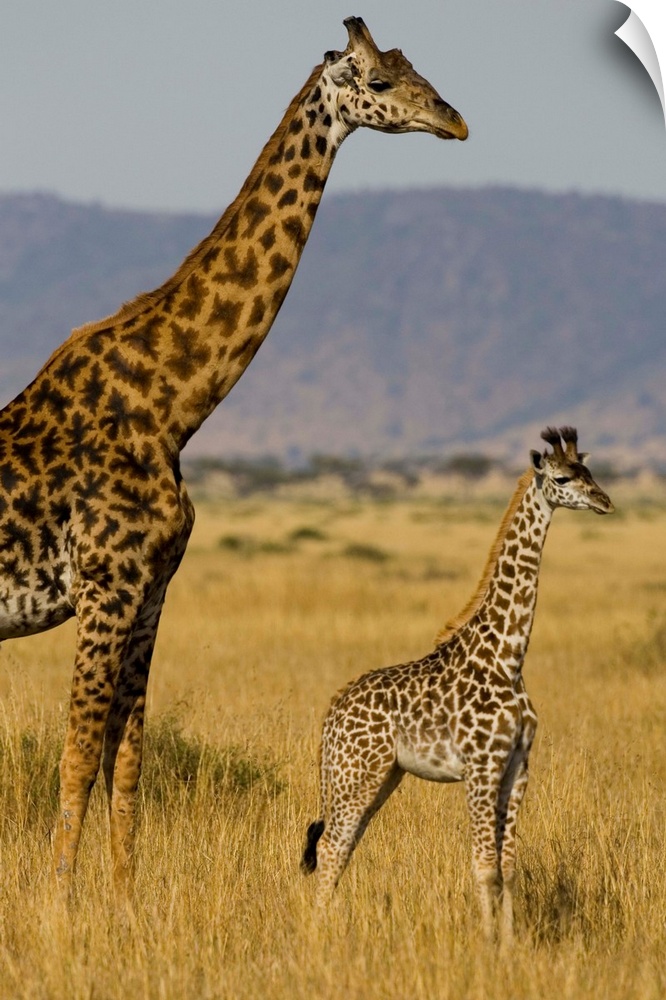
x,y
274,548
175,763
359,550
307,534
29,779
243,544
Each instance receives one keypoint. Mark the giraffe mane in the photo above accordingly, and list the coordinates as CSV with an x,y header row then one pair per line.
x,y
476,600
146,300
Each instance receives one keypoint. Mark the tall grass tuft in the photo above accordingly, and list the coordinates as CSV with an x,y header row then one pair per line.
x,y
176,763
29,757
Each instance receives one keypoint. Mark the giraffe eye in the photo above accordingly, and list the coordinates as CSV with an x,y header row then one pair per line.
x,y
379,85
562,480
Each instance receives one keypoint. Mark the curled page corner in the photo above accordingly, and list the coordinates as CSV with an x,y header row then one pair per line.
x,y
644,32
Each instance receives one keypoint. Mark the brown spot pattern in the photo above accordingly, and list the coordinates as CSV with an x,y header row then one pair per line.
x,y
461,713
94,515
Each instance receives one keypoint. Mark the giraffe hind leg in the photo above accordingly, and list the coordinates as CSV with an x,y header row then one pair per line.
x,y
348,821
123,751
482,790
511,796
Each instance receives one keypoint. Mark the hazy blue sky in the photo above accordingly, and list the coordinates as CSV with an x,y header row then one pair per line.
x,y
165,105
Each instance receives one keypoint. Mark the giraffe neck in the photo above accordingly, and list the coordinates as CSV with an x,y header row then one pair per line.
x,y
510,601
504,602
177,351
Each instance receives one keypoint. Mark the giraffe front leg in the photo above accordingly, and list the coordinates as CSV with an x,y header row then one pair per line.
x,y
78,769
104,630
482,788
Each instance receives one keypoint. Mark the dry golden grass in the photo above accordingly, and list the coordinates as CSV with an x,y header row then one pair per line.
x,y
257,635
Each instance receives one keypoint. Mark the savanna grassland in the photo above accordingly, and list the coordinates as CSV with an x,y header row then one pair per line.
x,y
277,604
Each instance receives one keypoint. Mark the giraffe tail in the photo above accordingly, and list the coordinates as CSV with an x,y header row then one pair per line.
x,y
309,859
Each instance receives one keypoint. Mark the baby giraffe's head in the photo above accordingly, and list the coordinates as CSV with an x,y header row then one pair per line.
x,y
563,476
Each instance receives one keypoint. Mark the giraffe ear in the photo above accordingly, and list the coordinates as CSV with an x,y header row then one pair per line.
x,y
537,460
584,457
342,74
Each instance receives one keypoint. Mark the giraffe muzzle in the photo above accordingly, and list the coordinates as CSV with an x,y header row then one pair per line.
x,y
446,123
603,504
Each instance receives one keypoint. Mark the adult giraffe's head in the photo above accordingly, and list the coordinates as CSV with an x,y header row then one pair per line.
x,y
381,90
563,476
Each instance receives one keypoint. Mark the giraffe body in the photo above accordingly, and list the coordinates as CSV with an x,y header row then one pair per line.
x,y
461,713
94,514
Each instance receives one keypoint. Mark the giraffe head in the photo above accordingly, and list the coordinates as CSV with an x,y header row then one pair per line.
x,y
381,90
563,476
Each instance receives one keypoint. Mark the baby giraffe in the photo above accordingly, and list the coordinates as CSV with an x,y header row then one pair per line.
x,y
462,712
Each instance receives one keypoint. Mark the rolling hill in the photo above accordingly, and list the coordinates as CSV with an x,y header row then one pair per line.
x,y
419,322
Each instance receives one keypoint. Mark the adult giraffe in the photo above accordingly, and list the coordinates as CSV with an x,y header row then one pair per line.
x,y
94,516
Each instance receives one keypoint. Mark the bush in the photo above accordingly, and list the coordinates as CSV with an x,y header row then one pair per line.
x,y
29,779
175,763
470,466
242,544
307,534
358,550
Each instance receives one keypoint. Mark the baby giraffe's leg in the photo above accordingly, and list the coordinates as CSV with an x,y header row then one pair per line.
x,y
351,807
482,787
511,795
